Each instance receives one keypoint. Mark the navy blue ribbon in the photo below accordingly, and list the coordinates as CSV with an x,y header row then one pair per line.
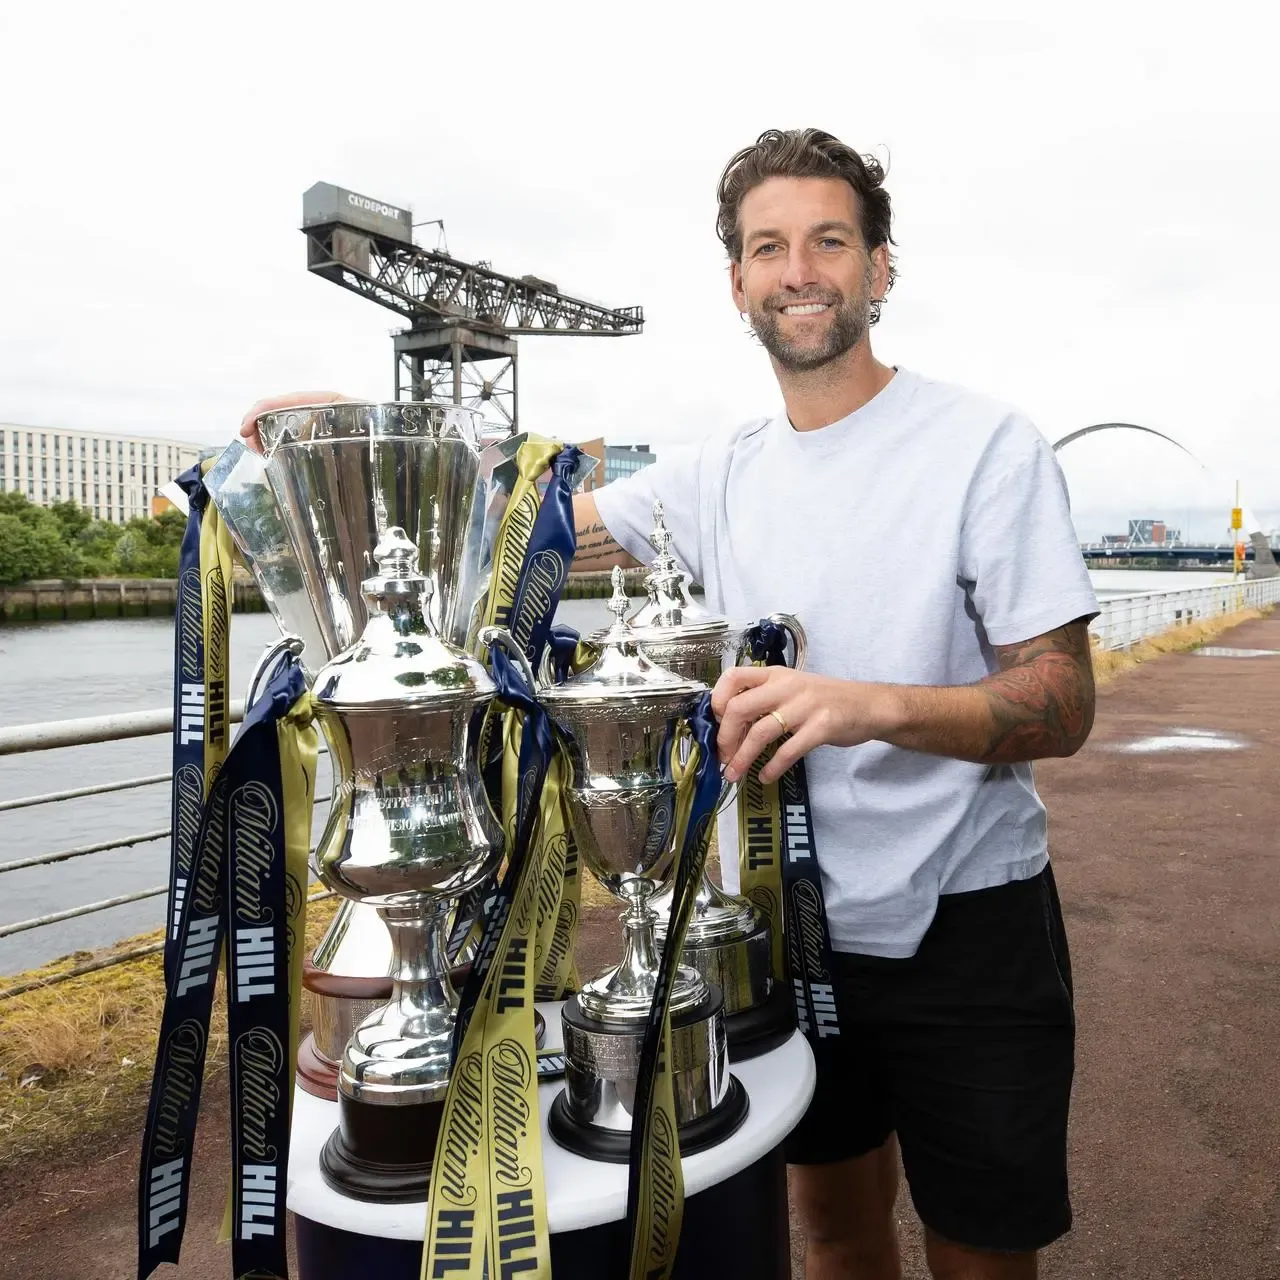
x,y
808,936
564,646
238,893
545,568
187,801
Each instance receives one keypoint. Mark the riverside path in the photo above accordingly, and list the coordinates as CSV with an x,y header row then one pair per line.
x,y
1163,835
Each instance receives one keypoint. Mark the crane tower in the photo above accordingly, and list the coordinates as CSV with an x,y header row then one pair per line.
x,y
463,317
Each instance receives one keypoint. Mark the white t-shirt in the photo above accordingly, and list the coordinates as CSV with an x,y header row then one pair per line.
x,y
908,538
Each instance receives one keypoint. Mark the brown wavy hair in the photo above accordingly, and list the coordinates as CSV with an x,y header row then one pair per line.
x,y
807,153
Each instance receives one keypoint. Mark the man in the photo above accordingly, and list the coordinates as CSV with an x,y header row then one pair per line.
x,y
922,535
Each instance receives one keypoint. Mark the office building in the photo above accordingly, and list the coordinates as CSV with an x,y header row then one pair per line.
x,y
113,477
618,461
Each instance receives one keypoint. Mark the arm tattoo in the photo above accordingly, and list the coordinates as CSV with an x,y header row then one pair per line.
x,y
597,548
1041,700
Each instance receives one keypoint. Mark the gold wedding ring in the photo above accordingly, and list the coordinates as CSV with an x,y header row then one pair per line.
x,y
778,717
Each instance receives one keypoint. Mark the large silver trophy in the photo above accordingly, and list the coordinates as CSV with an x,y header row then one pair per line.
x,y
369,529
728,940
618,720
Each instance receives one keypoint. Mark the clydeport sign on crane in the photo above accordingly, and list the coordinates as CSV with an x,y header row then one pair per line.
x,y
462,315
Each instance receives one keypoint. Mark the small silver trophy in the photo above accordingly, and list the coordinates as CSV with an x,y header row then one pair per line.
x,y
618,720
728,940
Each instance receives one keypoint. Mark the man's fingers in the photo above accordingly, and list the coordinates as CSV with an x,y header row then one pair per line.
x,y
735,681
789,752
742,711
292,400
758,737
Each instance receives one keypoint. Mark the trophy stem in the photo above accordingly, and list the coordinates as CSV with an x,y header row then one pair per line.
x,y
422,995
401,1053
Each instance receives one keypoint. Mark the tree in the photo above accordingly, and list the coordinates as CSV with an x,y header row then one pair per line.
x,y
33,549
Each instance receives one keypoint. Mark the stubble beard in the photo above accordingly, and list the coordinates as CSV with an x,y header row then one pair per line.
x,y
849,321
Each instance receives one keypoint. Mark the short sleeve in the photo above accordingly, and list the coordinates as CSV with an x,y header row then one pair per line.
x,y
1019,554
626,508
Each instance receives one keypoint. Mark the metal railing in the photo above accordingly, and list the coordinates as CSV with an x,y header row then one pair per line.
x,y
1122,622
81,732
1125,620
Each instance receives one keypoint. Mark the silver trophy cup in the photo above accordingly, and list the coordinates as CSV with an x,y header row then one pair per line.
x,y
728,940
618,720
305,518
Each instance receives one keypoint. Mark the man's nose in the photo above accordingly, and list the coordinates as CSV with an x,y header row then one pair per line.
x,y
800,270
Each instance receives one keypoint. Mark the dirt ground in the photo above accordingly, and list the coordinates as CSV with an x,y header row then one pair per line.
x,y
1166,863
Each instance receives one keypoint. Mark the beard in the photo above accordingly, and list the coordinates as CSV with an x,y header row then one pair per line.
x,y
847,324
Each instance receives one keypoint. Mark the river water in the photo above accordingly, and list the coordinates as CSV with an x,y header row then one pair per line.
x,y
61,670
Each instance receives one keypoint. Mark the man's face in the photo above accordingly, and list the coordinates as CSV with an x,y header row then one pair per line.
x,y
806,280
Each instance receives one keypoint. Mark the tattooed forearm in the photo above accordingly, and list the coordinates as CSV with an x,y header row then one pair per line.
x,y
1040,703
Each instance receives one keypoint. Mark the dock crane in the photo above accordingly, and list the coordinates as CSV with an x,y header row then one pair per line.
x,y
462,315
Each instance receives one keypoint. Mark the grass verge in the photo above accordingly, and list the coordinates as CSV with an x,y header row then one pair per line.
x,y
1110,663
76,1057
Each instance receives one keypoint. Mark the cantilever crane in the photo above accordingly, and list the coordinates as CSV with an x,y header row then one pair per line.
x,y
460,314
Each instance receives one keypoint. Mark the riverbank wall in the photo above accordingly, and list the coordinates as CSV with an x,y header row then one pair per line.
x,y
55,599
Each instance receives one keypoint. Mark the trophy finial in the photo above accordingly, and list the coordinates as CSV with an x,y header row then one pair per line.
x,y
660,538
619,604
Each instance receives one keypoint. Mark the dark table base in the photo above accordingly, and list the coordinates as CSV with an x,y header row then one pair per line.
x,y
737,1228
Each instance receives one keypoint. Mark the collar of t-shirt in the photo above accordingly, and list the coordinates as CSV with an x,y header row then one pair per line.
x,y
886,406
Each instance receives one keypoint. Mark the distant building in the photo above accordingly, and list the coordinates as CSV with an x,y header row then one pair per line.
x,y
113,477
618,461
1152,533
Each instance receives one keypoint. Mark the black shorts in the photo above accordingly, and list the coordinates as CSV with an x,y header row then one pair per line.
x,y
966,1051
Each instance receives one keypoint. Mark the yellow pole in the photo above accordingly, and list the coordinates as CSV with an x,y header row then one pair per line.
x,y
1237,523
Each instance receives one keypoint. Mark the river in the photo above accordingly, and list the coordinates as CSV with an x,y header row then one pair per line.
x,y
60,670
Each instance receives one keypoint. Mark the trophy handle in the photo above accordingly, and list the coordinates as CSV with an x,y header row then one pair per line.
x,y
489,636
799,641
287,643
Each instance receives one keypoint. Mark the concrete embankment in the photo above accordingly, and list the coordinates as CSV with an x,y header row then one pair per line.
x,y
1162,831
54,598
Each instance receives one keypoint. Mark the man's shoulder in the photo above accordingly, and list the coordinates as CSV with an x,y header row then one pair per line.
x,y
975,420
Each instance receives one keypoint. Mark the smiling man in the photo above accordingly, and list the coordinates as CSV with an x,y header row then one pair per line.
x,y
922,535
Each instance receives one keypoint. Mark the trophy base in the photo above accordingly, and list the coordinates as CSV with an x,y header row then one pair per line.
x,y
376,1153
763,1028
737,962
613,1146
318,1075
592,1115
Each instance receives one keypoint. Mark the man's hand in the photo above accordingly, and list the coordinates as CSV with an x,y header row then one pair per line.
x,y
754,703
249,423
1040,703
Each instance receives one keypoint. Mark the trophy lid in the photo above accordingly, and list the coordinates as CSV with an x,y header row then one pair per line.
x,y
622,672
401,660
670,613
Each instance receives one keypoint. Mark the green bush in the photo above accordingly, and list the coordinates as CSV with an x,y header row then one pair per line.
x,y
64,541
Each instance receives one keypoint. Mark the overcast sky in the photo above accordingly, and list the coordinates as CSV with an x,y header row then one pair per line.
x,y
1085,209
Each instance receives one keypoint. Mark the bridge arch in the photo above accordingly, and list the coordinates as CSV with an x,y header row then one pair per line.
x,y
1126,426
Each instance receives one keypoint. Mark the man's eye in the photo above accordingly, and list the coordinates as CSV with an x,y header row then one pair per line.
x,y
767,249
832,242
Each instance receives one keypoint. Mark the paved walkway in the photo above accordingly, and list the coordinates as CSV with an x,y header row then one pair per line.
x,y
1167,863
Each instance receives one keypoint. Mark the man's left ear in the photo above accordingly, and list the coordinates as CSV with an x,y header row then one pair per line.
x,y
879,272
